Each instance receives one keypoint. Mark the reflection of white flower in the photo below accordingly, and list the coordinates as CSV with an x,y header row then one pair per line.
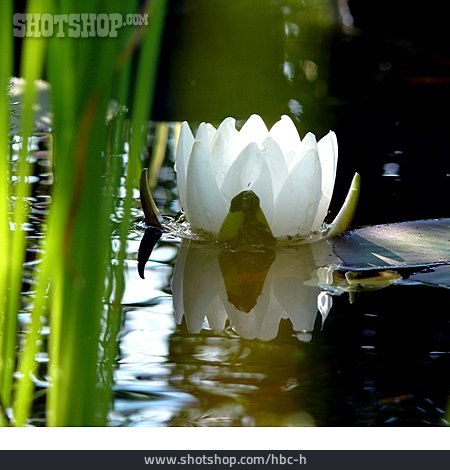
x,y
293,178
252,291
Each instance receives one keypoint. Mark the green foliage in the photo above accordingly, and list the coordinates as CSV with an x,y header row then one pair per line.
x,y
74,266
6,40
343,220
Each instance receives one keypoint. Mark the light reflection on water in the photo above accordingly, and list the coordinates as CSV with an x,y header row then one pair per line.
x,y
272,362
206,373
252,291
198,348
257,352
246,345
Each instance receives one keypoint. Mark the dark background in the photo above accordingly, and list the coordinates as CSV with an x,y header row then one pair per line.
x,y
388,90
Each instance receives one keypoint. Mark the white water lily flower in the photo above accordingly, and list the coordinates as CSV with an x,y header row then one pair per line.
x,y
293,178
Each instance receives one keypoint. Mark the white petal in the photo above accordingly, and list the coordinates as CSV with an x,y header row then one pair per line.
x,y
328,154
304,317
263,320
296,205
286,135
291,268
201,285
217,315
254,130
177,282
205,206
224,148
260,322
206,133
184,148
276,163
308,144
269,317
227,129
250,172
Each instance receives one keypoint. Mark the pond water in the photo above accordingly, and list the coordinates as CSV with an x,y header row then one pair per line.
x,y
211,340
382,359
239,341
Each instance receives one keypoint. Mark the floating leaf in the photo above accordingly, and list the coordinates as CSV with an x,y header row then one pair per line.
x,y
399,245
436,276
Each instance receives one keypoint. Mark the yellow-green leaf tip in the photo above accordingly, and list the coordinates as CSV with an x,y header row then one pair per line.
x,y
343,220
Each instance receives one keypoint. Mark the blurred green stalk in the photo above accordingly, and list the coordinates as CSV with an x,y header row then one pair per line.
x,y
75,278
6,40
31,67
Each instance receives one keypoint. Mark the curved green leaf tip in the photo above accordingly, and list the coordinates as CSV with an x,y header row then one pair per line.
x,y
151,212
246,222
344,218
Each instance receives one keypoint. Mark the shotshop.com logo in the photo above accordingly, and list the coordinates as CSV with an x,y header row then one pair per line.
x,y
75,25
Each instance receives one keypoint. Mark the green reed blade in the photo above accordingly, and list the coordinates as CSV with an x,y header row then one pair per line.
x,y
31,66
27,358
73,396
77,246
6,41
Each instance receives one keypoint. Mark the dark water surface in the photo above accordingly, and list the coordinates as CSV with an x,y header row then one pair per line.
x,y
243,343
258,352
213,355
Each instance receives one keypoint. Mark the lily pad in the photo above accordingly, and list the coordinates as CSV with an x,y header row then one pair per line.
x,y
399,245
434,276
